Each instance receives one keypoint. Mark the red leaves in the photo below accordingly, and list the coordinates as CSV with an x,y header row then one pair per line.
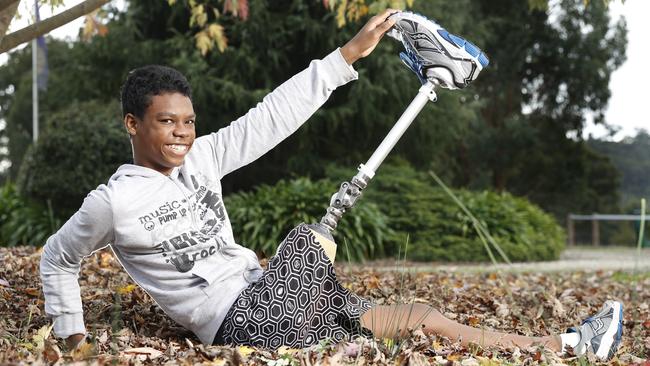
x,y
237,8
646,323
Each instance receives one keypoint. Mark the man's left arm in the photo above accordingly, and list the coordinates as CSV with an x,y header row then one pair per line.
x,y
285,109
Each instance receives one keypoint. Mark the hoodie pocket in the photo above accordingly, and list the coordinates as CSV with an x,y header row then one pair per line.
x,y
209,274
214,271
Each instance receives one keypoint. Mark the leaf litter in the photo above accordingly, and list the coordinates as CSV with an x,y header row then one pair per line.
x,y
126,327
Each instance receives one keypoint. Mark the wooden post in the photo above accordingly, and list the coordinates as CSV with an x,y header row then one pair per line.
x,y
595,232
571,230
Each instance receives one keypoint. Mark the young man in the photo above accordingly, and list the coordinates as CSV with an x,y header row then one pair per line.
x,y
165,221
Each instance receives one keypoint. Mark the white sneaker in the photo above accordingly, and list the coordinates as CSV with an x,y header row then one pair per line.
x,y
601,333
434,54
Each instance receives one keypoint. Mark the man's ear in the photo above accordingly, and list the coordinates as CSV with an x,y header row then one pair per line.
x,y
131,124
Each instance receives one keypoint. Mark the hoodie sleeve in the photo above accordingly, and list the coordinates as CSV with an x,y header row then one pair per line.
x,y
279,114
89,229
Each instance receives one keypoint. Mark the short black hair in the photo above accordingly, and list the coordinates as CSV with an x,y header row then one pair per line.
x,y
145,82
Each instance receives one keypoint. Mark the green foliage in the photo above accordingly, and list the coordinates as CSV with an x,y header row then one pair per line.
x,y
80,148
260,219
438,230
557,68
477,138
630,157
23,222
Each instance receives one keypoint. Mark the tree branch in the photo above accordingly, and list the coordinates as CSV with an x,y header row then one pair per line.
x,y
4,4
8,10
38,29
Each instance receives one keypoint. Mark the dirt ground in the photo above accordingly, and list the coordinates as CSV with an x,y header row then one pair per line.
x,y
580,258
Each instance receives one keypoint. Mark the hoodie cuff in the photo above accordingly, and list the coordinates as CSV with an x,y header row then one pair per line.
x,y
339,68
66,325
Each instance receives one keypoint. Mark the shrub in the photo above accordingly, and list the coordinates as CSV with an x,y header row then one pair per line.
x,y
262,218
23,222
437,228
79,149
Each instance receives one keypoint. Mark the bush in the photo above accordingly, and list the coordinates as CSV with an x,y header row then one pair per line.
x,y
80,148
22,222
262,218
438,230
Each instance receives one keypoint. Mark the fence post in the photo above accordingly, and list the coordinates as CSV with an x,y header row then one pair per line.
x,y
571,231
595,231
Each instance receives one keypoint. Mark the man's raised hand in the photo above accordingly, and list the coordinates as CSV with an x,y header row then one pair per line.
x,y
364,42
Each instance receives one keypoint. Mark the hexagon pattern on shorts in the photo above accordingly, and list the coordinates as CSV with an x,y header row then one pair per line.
x,y
297,302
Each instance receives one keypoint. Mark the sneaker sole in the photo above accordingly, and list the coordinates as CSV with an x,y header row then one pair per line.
x,y
454,47
612,336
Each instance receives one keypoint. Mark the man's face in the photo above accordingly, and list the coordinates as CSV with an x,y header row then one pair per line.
x,y
165,134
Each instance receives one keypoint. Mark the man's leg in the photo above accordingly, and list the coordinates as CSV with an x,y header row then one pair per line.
x,y
385,321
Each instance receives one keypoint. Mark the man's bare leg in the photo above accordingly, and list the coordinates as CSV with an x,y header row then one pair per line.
x,y
385,321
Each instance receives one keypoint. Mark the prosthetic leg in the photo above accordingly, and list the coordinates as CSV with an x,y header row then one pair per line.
x,y
439,59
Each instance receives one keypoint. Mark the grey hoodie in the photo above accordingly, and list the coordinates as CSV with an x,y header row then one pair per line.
x,y
172,233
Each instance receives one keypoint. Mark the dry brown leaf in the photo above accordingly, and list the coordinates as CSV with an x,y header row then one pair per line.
x,y
417,359
51,352
503,310
470,362
558,309
32,291
84,351
142,353
106,259
372,282
473,321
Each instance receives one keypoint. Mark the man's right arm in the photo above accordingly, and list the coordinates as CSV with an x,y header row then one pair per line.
x,y
88,230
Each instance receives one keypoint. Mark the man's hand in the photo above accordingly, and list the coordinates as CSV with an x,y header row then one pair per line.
x,y
73,341
368,37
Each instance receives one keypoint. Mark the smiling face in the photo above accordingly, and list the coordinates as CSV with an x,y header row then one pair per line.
x,y
164,134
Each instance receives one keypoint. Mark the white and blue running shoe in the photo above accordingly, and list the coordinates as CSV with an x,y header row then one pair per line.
x,y
434,54
601,333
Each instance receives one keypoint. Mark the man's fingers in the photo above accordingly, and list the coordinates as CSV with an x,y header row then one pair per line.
x,y
385,26
381,17
388,12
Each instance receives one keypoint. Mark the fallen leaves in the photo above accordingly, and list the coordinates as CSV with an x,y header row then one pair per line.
x,y
51,352
141,353
123,290
125,326
83,351
32,291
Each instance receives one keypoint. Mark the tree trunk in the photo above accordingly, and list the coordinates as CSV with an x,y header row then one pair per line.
x,y
38,29
8,10
499,179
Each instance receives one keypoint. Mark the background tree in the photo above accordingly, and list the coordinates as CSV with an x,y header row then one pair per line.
x,y
630,157
508,131
545,76
65,176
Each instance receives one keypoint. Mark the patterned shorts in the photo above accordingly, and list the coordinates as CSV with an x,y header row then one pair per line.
x,y
296,303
